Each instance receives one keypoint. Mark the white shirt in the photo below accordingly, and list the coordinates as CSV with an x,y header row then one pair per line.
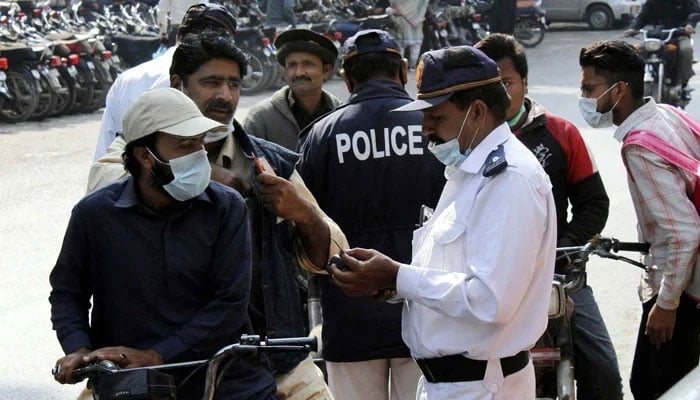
x,y
480,279
177,10
125,89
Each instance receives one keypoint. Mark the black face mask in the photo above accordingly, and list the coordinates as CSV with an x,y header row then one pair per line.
x,y
161,172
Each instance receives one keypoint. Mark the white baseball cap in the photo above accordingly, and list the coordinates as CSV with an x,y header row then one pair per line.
x,y
165,110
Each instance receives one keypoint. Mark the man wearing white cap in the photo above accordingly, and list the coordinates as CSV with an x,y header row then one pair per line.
x,y
164,255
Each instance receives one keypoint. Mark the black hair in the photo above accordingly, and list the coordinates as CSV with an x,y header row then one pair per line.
x,y
616,60
364,67
494,95
201,17
131,163
498,46
197,49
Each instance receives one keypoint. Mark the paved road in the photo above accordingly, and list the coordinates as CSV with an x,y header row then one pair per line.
x,y
44,169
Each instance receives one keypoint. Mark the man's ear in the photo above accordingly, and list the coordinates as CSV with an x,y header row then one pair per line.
x,y
525,84
175,81
141,154
348,82
403,73
327,71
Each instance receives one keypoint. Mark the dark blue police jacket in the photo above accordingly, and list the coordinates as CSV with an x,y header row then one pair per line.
x,y
276,266
370,171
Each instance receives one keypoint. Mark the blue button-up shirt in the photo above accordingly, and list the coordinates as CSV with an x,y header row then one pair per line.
x,y
177,282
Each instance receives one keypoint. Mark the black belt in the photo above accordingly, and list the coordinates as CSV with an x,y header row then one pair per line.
x,y
458,368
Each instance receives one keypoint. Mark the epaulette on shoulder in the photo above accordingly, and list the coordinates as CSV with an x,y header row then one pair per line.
x,y
495,162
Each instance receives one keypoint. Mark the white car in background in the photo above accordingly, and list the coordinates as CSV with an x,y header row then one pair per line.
x,y
598,14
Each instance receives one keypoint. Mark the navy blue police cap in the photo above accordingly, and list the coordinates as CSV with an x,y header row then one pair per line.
x,y
305,41
442,72
370,41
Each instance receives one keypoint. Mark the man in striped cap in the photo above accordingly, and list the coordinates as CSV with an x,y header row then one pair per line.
x,y
476,292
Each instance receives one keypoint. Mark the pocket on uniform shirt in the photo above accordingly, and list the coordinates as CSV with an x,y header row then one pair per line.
x,y
449,252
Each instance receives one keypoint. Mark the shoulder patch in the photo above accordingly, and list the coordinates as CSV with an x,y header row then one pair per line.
x,y
495,162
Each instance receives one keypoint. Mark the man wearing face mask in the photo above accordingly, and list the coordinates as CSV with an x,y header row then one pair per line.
x,y
559,147
376,199
612,90
289,229
477,289
164,257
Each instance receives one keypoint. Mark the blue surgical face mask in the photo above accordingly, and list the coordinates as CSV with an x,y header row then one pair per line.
x,y
449,153
191,175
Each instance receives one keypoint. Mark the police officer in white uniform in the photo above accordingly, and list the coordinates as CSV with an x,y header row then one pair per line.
x,y
477,289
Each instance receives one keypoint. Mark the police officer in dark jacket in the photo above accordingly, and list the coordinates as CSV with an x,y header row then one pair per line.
x,y
672,14
370,171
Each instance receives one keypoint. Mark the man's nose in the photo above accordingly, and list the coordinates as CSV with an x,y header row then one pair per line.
x,y
224,92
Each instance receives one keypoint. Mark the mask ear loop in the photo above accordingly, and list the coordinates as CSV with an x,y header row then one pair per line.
x,y
461,128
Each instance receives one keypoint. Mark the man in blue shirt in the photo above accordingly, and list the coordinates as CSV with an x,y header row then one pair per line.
x,y
164,255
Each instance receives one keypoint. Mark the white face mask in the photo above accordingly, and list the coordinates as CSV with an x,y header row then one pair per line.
x,y
215,136
449,153
192,174
589,110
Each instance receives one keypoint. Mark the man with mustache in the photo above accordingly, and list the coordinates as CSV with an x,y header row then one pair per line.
x,y
154,74
308,59
289,230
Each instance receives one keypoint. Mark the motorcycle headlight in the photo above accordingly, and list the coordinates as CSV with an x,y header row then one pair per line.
x,y
652,45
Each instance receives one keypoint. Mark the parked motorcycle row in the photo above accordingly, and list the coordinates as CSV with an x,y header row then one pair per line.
x,y
55,62
465,22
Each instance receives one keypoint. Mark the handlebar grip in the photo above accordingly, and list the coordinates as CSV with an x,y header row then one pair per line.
x,y
632,246
298,341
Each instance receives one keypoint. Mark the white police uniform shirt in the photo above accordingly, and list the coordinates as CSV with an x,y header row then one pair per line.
x,y
125,89
482,267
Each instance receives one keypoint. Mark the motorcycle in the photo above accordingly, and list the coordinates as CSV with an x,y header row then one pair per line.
x,y
660,54
553,354
530,23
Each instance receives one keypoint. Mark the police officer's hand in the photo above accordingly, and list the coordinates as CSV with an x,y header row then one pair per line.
x,y
660,325
689,29
63,371
279,196
230,179
124,357
369,272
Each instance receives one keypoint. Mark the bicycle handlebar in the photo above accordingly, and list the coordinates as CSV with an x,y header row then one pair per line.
x,y
248,346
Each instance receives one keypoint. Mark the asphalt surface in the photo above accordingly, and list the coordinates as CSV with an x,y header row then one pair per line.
x,y
44,167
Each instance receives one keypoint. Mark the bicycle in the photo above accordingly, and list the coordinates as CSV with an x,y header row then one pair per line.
x,y
109,381
554,351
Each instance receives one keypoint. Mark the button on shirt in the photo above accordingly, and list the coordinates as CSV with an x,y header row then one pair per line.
x,y
480,280
667,219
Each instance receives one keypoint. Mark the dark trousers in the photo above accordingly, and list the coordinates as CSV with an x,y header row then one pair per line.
x,y
655,370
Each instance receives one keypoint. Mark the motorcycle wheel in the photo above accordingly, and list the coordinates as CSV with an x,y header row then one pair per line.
x,y
101,88
528,32
66,94
47,98
84,85
258,75
21,86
